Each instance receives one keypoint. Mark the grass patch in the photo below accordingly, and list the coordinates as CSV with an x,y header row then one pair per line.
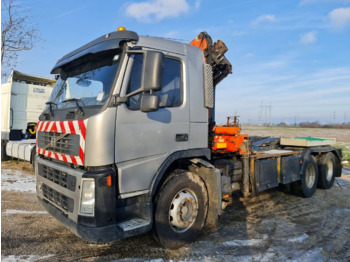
x,y
346,152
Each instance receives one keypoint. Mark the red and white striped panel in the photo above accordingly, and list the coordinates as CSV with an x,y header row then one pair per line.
x,y
77,127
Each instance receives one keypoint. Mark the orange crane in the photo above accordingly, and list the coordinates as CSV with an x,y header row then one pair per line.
x,y
226,138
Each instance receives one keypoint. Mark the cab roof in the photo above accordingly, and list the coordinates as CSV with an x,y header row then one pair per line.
x,y
114,40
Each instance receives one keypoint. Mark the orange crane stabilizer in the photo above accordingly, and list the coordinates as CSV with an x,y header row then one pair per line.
x,y
228,138
224,144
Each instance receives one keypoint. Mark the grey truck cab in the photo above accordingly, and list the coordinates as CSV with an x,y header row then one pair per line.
x,y
123,113
128,142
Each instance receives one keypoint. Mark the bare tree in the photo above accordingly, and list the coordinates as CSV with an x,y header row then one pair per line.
x,y
18,33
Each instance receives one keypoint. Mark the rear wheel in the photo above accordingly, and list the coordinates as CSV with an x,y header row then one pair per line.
x,y
4,156
307,184
327,168
33,154
180,209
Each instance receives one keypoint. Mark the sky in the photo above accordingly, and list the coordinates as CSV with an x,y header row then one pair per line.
x,y
290,58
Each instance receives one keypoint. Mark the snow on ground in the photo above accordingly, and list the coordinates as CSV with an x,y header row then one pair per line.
x,y
23,212
24,258
248,242
14,180
273,227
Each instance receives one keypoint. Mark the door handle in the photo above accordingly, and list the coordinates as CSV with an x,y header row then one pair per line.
x,y
181,137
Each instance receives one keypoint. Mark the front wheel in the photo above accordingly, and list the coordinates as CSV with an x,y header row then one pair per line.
x,y
180,209
306,187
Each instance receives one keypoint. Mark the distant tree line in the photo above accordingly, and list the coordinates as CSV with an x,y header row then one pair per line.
x,y
317,124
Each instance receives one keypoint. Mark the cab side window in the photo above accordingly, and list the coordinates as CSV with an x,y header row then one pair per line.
x,y
171,93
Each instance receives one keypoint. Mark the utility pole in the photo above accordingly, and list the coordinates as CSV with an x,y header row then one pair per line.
x,y
270,120
261,112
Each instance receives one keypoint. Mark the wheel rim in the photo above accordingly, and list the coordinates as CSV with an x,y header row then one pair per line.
x,y
329,170
310,176
183,210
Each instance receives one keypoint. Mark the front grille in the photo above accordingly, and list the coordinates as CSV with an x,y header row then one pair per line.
x,y
58,177
67,144
66,203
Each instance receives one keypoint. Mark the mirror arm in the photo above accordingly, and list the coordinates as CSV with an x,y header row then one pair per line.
x,y
117,100
121,100
138,91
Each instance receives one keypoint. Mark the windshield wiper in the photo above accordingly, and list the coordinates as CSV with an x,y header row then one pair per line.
x,y
76,100
51,109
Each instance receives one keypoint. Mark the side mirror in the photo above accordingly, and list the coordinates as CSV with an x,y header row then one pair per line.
x,y
149,103
151,80
152,72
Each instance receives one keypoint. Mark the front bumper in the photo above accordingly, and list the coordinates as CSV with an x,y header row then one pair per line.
x,y
91,234
59,191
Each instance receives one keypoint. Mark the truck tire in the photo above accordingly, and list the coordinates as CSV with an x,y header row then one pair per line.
x,y
327,165
4,156
307,184
181,208
32,157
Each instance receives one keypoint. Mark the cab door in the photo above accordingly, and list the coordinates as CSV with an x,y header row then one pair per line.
x,y
145,140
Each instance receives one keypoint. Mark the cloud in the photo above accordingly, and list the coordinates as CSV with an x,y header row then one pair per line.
x,y
340,17
238,33
249,55
309,38
197,4
292,91
156,10
307,2
264,18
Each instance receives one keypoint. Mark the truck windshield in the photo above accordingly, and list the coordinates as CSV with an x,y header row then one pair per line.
x,y
87,83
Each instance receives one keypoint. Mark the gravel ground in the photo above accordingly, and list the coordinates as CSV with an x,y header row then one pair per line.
x,y
274,226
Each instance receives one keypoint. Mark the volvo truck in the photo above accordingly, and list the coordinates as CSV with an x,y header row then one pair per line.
x,y
128,142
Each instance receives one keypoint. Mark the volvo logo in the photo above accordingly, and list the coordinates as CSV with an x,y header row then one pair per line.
x,y
53,141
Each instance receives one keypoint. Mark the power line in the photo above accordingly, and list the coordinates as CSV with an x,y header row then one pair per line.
x,y
265,113
308,105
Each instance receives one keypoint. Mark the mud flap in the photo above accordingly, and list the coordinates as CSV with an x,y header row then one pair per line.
x,y
212,180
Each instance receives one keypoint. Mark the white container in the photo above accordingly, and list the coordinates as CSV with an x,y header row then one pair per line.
x,y
23,99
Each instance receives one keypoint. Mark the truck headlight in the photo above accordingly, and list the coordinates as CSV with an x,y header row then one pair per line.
x,y
87,201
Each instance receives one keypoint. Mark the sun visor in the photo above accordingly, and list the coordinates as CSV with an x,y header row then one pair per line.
x,y
107,42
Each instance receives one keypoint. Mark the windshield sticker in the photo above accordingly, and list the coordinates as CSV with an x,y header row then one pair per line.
x,y
38,90
100,96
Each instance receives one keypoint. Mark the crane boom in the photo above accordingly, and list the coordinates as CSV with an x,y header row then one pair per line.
x,y
214,54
